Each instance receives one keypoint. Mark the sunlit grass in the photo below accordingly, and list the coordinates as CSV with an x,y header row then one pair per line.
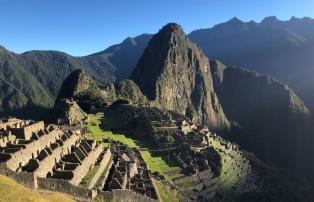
x,y
12,191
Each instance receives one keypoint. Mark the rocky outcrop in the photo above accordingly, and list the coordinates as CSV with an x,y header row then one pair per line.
x,y
76,83
80,87
67,109
175,75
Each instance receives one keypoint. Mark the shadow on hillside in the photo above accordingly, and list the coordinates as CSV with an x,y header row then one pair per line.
x,y
30,111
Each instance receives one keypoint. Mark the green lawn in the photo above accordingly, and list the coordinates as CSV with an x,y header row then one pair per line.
x,y
155,163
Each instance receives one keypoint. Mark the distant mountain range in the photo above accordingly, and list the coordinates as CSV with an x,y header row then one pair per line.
x,y
30,82
283,49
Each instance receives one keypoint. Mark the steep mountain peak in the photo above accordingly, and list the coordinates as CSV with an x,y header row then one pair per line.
x,y
172,27
235,20
271,20
175,75
129,41
293,18
232,24
77,82
169,31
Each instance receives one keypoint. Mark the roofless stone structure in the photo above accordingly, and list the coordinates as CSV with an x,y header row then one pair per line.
x,y
57,158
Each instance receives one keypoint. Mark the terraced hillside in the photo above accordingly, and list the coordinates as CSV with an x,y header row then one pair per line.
x,y
173,181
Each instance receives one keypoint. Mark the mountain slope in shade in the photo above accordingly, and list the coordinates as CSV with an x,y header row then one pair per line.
x,y
283,49
277,124
20,91
125,55
33,79
175,75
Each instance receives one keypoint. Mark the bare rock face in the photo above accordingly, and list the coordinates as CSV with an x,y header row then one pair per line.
x,y
175,75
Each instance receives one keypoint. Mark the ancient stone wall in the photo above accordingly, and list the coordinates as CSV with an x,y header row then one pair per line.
x,y
105,176
27,179
47,164
26,132
22,157
130,196
123,195
12,123
59,185
89,161
6,138
102,166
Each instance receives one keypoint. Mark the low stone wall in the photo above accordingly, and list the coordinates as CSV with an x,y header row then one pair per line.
x,y
80,172
30,151
123,195
58,185
205,175
27,179
47,164
106,174
102,166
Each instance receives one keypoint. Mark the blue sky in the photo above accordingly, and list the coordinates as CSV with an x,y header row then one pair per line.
x,y
83,27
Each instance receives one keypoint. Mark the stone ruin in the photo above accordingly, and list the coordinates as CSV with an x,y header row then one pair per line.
x,y
68,112
184,134
129,172
43,156
55,158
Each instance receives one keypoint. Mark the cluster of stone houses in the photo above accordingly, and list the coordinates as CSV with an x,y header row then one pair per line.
x,y
129,172
182,133
43,156
56,158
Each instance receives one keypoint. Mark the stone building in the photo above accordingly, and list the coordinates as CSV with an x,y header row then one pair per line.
x,y
49,157
129,172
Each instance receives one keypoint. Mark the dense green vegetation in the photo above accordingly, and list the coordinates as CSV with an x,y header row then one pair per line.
x,y
30,82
